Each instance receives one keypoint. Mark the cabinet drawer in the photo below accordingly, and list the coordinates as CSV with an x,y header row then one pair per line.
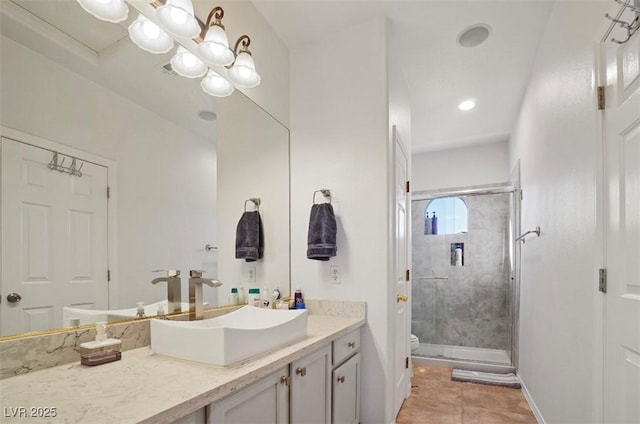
x,y
346,346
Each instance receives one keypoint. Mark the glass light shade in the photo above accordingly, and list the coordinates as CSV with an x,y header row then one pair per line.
x,y
187,64
106,10
149,37
214,85
243,72
215,47
176,16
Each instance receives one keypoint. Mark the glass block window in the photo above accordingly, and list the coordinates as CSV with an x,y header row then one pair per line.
x,y
451,214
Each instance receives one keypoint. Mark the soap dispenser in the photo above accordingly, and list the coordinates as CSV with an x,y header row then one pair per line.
x,y
102,350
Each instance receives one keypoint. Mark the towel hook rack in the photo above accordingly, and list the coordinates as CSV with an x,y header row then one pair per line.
x,y
325,192
256,202
522,237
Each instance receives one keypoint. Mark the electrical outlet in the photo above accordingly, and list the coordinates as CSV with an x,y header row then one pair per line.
x,y
251,274
334,274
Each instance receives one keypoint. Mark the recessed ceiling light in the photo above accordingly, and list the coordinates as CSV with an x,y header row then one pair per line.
x,y
474,35
467,105
207,115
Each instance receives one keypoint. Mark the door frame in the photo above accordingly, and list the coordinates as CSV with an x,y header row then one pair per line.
x,y
112,168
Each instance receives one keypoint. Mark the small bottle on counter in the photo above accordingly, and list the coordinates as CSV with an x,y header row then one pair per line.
x,y
233,297
140,310
299,300
161,313
265,298
253,298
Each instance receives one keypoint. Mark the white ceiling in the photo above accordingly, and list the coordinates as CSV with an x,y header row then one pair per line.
x,y
102,52
439,72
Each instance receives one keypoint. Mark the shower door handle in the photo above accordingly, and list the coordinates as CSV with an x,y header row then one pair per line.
x,y
401,298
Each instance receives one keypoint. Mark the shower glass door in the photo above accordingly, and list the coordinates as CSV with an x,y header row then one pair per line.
x,y
462,285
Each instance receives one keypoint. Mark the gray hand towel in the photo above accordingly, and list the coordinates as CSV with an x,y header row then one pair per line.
x,y
322,233
249,237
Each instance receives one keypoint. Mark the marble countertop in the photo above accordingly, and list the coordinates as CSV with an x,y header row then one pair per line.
x,y
147,388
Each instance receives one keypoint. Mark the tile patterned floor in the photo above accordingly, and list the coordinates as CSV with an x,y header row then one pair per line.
x,y
438,400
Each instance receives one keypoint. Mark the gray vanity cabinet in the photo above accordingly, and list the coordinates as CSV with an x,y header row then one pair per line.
x,y
265,401
320,388
311,388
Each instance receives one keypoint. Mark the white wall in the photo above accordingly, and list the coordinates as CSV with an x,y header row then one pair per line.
x,y
270,54
461,167
339,141
166,181
556,140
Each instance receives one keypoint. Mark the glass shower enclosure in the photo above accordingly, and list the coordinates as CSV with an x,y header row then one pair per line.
x,y
464,289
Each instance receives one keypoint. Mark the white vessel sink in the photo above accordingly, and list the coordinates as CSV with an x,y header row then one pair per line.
x,y
230,338
89,316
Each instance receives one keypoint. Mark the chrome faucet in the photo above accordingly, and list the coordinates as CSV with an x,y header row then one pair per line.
x,y
174,296
195,293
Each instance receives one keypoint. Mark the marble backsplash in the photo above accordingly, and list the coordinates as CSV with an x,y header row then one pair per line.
x,y
470,307
31,353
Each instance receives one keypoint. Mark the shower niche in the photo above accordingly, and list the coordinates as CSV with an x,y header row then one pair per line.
x,y
457,254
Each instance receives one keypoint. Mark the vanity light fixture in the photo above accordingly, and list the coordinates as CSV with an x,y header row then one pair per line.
x,y
106,10
467,105
178,18
188,65
215,46
149,36
243,71
214,85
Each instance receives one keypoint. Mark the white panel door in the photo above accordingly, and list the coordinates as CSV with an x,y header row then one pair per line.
x,y
54,239
622,158
402,332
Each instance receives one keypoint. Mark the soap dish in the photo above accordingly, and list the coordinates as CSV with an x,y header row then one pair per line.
x,y
99,358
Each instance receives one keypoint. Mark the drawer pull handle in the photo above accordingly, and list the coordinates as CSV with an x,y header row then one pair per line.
x,y
341,379
352,345
285,379
301,371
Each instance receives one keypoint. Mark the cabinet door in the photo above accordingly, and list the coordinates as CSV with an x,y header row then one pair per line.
x,y
263,402
197,417
346,392
311,388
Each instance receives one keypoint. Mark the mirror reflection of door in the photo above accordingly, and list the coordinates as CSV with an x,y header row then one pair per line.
x,y
54,239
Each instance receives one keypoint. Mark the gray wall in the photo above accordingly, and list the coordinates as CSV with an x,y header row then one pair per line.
x,y
471,308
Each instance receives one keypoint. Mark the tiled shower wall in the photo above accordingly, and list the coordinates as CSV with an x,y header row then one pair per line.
x,y
471,307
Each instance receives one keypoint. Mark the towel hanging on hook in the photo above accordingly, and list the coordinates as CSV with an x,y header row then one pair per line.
x,y
325,192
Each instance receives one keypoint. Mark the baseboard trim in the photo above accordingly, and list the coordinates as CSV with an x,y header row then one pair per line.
x,y
531,402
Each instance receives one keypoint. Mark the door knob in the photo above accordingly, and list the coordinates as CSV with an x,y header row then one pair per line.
x,y
341,379
301,371
401,298
14,297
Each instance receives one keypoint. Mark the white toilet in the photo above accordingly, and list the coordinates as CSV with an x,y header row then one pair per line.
x,y
415,342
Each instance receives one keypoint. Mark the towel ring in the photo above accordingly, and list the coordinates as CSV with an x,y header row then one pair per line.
x,y
325,192
255,200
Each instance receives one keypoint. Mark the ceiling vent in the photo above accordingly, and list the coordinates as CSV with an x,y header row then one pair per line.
x,y
168,70
474,35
